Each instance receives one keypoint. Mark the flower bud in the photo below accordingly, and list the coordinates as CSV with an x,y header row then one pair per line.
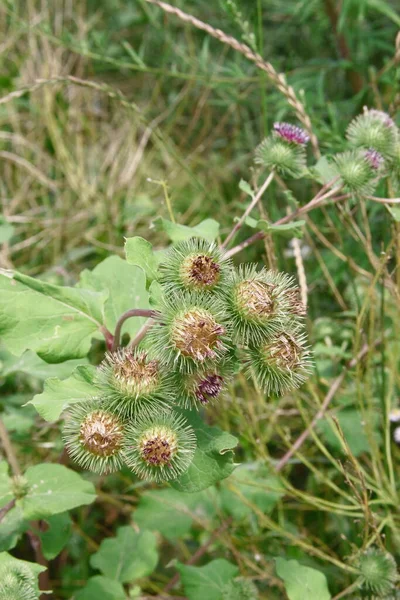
x,y
195,265
204,386
259,302
94,436
20,486
284,150
378,572
131,381
373,129
159,448
357,171
281,362
192,331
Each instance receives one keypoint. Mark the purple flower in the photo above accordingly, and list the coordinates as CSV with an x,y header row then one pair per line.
x,y
382,116
291,133
374,158
208,388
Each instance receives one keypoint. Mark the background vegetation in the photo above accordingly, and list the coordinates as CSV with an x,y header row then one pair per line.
x,y
104,104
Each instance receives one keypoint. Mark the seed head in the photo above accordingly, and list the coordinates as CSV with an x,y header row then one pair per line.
x,y
374,158
17,582
132,381
20,486
94,436
159,448
378,572
195,265
291,133
193,331
258,303
281,362
373,129
356,172
286,157
205,386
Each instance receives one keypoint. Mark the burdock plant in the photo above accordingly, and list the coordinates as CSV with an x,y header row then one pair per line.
x,y
259,302
159,448
280,362
205,386
94,436
373,129
378,572
195,265
17,582
284,150
192,330
133,382
359,170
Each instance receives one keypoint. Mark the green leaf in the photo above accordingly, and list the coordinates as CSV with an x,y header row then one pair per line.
x,y
140,252
30,364
246,188
207,229
34,567
101,588
351,423
54,489
395,212
302,582
126,287
55,538
323,171
12,526
253,483
128,556
200,583
58,394
213,459
56,322
290,230
171,513
6,230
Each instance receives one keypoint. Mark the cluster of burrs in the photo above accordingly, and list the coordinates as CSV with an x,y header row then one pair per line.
x,y
374,153
17,582
213,320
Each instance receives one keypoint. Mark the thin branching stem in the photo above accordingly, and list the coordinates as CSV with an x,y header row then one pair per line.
x,y
134,312
248,210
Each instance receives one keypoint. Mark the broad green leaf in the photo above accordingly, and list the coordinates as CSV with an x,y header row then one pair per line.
x,y
207,229
128,556
302,582
30,364
213,459
171,513
251,483
200,583
56,322
54,489
12,526
58,394
139,252
6,558
6,230
101,588
55,538
125,285
351,423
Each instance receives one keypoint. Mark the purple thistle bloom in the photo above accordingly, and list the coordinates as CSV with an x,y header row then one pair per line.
x,y
374,158
382,116
208,388
291,133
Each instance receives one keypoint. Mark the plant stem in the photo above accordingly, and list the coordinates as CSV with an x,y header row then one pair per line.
x,y
248,210
328,398
314,203
8,449
7,508
134,312
141,333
